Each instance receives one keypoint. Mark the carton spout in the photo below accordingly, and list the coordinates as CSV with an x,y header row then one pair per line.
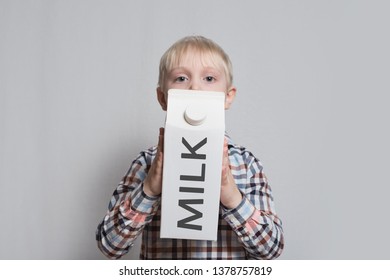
x,y
195,114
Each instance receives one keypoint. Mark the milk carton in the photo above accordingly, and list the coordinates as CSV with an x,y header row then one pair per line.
x,y
193,151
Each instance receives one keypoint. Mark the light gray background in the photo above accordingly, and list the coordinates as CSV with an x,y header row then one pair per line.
x,y
77,104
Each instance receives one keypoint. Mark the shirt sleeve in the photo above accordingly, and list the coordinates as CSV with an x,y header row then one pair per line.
x,y
130,209
254,220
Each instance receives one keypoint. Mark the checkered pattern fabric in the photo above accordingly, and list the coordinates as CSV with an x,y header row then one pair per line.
x,y
250,231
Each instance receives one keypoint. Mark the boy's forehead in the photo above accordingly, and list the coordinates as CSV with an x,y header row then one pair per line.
x,y
197,57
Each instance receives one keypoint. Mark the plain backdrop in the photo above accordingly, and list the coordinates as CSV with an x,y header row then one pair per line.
x,y
78,102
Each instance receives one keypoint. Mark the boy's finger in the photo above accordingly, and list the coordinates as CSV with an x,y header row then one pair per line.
x,y
159,164
161,139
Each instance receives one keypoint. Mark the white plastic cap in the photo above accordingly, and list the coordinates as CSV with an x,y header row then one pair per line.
x,y
195,114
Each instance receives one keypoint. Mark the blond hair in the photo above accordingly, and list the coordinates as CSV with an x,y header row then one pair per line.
x,y
200,44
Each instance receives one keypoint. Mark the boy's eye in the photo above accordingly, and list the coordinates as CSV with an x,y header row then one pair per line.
x,y
180,79
210,79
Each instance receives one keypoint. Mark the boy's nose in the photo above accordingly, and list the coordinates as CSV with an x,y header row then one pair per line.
x,y
195,85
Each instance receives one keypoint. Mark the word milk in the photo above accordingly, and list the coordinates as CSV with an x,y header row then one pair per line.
x,y
193,151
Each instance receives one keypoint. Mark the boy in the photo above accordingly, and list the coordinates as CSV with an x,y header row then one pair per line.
x,y
248,226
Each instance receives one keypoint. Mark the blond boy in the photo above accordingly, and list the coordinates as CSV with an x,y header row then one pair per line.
x,y
248,225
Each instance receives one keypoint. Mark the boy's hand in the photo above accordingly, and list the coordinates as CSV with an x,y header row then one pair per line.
x,y
153,181
230,195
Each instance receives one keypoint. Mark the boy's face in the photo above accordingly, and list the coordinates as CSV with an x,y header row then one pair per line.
x,y
196,72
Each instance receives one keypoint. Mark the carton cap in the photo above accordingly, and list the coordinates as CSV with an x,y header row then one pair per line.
x,y
195,114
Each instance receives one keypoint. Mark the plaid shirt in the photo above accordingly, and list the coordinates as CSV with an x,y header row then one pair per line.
x,y
250,231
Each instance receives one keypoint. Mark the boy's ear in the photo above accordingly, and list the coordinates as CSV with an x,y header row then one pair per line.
x,y
162,98
231,94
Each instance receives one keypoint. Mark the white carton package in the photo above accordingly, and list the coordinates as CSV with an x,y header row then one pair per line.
x,y
193,151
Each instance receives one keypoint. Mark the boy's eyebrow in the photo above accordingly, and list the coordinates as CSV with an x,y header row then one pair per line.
x,y
211,68
177,70
207,68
